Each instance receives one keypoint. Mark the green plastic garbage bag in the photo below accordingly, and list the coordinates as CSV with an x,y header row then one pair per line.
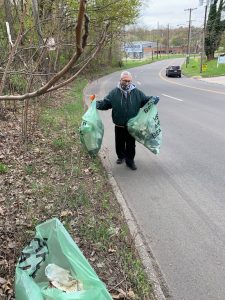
x,y
53,245
145,127
92,130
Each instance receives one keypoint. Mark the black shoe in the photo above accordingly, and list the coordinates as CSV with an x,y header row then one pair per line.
x,y
119,161
131,165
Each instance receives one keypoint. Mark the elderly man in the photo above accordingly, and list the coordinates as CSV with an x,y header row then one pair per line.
x,y
125,101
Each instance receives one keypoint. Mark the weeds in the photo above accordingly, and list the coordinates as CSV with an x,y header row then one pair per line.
x,y
29,169
3,168
59,143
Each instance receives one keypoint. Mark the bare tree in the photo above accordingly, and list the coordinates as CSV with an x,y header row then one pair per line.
x,y
57,80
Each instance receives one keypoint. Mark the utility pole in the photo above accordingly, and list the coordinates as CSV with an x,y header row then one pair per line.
x,y
157,40
208,3
203,38
189,36
168,38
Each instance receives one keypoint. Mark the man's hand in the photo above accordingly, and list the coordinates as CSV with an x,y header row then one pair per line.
x,y
92,97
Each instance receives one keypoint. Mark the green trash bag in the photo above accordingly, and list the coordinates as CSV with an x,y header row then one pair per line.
x,y
145,127
92,130
52,267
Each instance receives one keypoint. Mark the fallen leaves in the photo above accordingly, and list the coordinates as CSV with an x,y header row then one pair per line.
x,y
111,250
66,213
39,185
1,211
5,287
124,295
2,281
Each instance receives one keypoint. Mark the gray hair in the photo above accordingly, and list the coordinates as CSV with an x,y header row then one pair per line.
x,y
125,73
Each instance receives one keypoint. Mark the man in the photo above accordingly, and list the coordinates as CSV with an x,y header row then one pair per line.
x,y
125,101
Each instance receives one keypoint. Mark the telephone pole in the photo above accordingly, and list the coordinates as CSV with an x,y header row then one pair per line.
x,y
189,35
157,40
168,39
203,38
207,4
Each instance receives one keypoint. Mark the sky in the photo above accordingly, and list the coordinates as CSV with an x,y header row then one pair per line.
x,y
160,13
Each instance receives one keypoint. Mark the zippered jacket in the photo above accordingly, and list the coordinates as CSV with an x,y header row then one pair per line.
x,y
124,105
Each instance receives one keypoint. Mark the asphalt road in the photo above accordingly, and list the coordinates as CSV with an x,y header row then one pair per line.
x,y
178,197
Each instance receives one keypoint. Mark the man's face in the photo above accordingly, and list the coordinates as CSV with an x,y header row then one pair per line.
x,y
125,82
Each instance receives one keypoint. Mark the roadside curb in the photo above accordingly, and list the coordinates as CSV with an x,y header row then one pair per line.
x,y
144,253
197,77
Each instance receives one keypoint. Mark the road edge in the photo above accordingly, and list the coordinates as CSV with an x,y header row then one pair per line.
x,y
144,253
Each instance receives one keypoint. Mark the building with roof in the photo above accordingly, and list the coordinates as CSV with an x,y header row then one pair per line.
x,y
143,49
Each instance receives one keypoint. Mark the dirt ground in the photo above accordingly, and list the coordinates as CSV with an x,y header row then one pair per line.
x,y
50,176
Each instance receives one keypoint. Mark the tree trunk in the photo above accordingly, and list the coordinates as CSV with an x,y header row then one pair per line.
x,y
9,17
210,56
37,21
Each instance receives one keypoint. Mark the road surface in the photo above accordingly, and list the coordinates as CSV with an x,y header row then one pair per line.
x,y
178,197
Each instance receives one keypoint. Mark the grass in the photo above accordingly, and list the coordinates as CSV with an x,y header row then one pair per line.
x,y
59,143
29,169
193,68
86,192
131,63
3,168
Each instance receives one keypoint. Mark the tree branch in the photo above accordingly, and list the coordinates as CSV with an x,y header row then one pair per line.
x,y
12,53
52,88
75,57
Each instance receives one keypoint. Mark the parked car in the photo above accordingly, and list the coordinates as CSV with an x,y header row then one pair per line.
x,y
173,71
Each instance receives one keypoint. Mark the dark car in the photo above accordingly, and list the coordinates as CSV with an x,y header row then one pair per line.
x,y
173,71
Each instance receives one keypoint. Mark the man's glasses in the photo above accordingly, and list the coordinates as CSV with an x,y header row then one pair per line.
x,y
128,81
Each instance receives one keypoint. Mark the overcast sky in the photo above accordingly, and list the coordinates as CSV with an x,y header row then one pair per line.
x,y
172,12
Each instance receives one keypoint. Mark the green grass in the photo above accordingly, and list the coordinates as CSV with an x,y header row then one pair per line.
x,y
131,63
59,143
29,169
3,168
193,68
134,269
70,112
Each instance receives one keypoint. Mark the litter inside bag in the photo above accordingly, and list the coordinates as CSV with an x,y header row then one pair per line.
x,y
92,130
62,279
145,127
52,267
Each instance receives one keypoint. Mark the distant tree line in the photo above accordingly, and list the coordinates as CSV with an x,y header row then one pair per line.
x,y
174,37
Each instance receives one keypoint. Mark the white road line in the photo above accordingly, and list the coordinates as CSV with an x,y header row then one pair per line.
x,y
172,97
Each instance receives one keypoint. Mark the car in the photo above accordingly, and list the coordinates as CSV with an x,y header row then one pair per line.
x,y
173,71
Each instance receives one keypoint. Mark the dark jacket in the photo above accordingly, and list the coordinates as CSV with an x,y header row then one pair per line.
x,y
124,105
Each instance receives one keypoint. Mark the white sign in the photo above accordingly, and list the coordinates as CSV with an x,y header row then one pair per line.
x,y
208,2
133,48
221,59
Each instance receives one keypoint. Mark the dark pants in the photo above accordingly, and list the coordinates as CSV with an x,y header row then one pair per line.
x,y
125,144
